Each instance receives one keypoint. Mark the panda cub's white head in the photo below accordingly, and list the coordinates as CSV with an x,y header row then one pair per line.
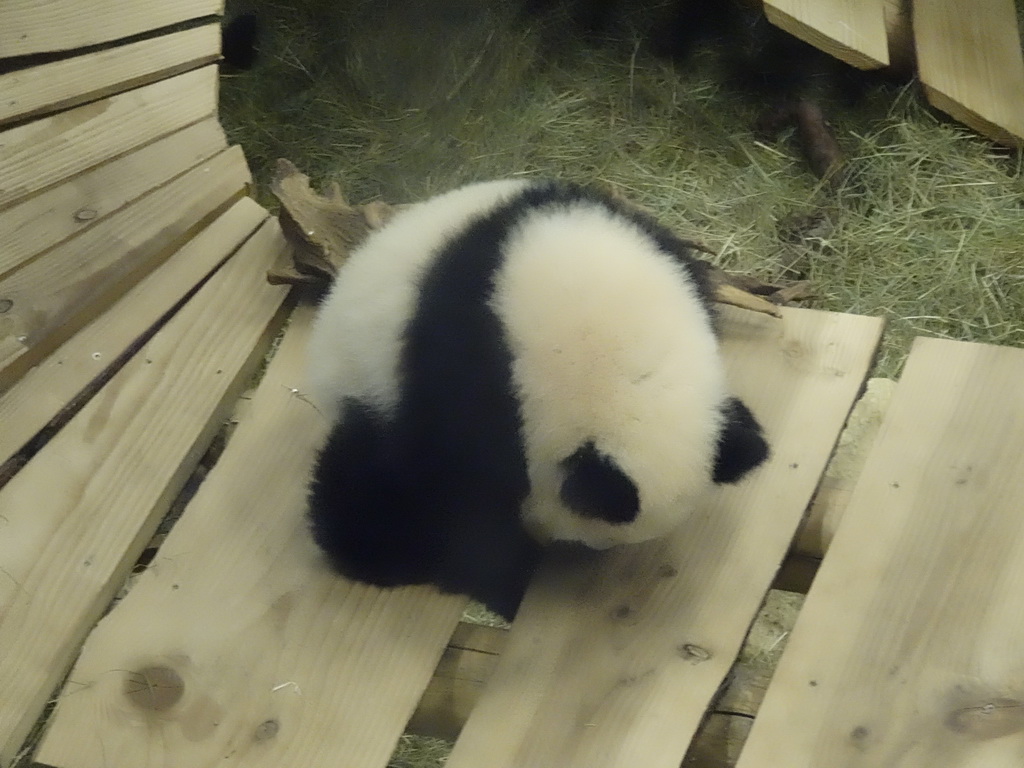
x,y
616,367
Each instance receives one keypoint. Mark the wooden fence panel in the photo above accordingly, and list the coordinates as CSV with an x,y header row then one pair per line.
x,y
78,514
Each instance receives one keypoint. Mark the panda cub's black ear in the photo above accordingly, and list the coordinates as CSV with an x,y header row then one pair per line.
x,y
741,444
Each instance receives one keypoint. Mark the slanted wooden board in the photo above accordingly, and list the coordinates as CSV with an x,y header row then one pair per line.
x,y
27,26
851,30
46,219
78,514
280,662
908,651
48,387
614,661
54,295
41,153
62,84
970,62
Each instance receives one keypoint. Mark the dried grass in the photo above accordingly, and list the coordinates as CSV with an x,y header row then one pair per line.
x,y
928,231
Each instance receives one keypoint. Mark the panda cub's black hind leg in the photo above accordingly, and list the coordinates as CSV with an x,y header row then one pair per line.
x,y
488,554
363,511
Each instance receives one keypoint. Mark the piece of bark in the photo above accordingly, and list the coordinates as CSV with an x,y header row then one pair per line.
x,y
323,229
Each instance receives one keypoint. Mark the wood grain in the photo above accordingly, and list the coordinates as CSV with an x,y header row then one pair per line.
x,y
615,657
69,82
279,661
34,226
56,294
970,62
851,30
28,26
77,516
43,391
39,154
908,650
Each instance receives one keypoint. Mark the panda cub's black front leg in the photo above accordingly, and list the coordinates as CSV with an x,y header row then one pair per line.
x,y
363,511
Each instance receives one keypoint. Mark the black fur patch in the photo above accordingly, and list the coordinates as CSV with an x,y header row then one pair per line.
x,y
596,488
741,445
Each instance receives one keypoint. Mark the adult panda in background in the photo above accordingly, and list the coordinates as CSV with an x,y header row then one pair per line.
x,y
509,364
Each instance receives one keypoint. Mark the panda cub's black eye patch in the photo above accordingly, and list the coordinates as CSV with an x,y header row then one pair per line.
x,y
596,488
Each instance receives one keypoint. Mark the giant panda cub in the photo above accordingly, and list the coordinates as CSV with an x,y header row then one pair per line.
x,y
510,364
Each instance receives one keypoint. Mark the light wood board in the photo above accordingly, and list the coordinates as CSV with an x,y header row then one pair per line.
x,y
908,651
56,294
44,220
78,514
62,84
48,387
28,26
970,62
281,663
39,154
851,30
614,660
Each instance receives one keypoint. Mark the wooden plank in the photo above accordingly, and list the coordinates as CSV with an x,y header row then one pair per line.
x,y
280,662
44,220
55,295
908,649
69,82
28,26
614,660
44,152
970,62
78,514
48,387
851,30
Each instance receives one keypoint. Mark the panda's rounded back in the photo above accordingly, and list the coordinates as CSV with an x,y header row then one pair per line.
x,y
355,345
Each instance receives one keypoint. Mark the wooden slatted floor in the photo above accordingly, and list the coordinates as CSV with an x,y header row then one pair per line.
x,y
134,311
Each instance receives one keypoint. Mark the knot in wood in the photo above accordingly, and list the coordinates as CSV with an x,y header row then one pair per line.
x,y
5,306
85,214
694,653
154,688
988,720
266,730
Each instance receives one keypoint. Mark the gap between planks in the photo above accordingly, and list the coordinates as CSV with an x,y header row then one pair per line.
x,y
77,515
28,27
48,151
62,84
56,294
47,389
30,228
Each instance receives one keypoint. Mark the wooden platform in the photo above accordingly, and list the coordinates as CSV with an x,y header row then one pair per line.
x,y
134,312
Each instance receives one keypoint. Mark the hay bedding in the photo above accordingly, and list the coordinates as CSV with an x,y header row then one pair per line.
x,y
396,101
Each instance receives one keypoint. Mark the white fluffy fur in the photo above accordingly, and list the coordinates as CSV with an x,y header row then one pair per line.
x,y
354,347
611,344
